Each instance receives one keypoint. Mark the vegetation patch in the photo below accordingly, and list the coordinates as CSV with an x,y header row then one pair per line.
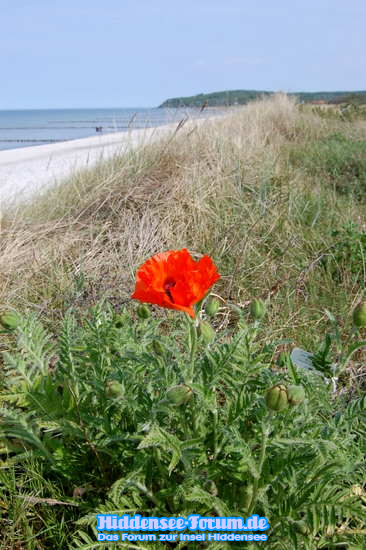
x,y
335,160
116,415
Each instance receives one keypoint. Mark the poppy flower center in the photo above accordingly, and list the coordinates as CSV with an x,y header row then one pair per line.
x,y
169,283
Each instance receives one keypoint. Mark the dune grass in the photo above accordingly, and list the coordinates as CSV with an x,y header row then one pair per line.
x,y
262,191
273,192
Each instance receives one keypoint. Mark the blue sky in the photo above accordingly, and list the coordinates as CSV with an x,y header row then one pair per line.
x,y
130,53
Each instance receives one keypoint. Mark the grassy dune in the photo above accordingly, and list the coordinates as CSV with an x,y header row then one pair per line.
x,y
275,193
263,191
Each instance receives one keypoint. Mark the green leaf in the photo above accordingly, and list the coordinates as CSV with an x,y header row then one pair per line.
x,y
157,437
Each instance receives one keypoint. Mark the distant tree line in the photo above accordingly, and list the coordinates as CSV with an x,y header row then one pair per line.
x,y
241,97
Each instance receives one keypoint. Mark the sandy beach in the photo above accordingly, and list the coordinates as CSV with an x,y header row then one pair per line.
x,y
29,170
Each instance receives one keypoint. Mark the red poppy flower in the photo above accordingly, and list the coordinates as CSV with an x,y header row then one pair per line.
x,y
174,280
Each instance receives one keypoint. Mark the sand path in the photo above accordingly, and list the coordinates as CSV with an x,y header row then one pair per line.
x,y
26,171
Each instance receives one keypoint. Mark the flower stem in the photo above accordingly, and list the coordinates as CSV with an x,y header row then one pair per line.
x,y
266,428
193,348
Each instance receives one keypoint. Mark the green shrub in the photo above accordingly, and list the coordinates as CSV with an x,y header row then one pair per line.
x,y
347,256
335,160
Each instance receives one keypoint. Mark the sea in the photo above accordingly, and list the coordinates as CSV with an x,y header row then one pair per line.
x,y
38,127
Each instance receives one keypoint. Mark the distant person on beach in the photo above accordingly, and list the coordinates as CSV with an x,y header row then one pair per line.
x,y
99,128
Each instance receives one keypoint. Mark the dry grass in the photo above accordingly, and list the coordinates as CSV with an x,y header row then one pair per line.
x,y
225,187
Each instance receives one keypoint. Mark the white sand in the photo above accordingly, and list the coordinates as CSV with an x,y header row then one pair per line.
x,y
26,171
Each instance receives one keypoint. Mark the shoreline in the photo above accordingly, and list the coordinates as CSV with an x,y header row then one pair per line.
x,y
26,171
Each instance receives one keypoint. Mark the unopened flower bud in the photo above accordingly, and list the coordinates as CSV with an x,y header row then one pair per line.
x,y
119,321
210,487
212,307
359,315
257,309
179,395
114,389
276,398
295,395
301,527
206,332
143,312
158,347
9,320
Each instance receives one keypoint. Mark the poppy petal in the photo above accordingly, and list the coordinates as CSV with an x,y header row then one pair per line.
x,y
173,279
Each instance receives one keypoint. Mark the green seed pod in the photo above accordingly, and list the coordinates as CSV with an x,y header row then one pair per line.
x,y
143,312
257,309
114,389
210,487
212,307
158,347
276,398
206,332
359,315
179,395
301,527
119,321
295,395
9,320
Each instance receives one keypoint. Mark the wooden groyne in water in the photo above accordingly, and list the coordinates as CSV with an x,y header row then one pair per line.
x,y
31,140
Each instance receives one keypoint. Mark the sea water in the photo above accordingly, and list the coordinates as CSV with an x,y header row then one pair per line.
x,y
36,127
